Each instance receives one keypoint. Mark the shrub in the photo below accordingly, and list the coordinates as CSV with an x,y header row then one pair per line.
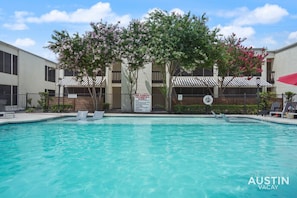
x,y
106,106
226,109
30,110
63,108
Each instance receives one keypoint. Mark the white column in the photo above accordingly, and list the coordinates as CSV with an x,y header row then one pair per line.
x,y
216,78
108,86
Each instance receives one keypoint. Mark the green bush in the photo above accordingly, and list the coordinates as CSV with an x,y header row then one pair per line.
x,y
30,110
63,108
106,106
226,109
44,101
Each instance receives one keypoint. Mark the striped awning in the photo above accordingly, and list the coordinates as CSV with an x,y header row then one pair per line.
x,y
194,81
244,82
71,81
210,81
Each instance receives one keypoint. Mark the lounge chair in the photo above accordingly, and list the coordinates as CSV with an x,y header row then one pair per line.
x,y
98,115
290,106
275,106
225,118
216,115
82,115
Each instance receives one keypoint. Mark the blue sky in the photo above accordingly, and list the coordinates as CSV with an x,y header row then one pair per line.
x,y
29,24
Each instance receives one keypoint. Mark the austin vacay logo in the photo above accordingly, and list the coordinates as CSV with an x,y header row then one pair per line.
x,y
269,182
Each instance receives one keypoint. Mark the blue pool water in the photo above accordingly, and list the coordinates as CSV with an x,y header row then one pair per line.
x,y
147,157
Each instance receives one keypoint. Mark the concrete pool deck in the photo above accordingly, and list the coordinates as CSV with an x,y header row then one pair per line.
x,y
34,117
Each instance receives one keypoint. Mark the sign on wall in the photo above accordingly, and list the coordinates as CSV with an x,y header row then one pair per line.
x,y
72,95
179,97
142,102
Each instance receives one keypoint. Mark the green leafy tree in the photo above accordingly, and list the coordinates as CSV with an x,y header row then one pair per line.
x,y
44,101
289,96
180,42
266,99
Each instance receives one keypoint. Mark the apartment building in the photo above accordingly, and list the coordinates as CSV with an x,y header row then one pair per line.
x,y
279,63
190,87
23,75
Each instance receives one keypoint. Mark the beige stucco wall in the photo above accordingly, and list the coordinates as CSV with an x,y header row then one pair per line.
x,y
144,84
285,62
31,74
8,79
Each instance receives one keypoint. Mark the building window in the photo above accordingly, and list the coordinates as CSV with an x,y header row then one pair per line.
x,y
50,74
68,72
1,61
196,72
50,92
15,65
8,65
14,95
203,72
8,95
81,91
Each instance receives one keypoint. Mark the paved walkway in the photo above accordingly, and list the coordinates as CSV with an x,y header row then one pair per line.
x,y
29,117
32,117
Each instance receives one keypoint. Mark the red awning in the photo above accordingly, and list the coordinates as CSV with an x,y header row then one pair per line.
x,y
289,79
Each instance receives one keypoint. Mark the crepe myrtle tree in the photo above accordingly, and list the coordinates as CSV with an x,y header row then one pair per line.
x,y
180,42
134,50
104,41
88,55
237,60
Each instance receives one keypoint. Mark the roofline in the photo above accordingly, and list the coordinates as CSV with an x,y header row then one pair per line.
x,y
19,49
285,48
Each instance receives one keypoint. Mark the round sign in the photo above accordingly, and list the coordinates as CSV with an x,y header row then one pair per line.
x,y
207,99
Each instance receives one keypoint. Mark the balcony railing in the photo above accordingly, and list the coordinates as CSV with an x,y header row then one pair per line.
x,y
157,77
116,76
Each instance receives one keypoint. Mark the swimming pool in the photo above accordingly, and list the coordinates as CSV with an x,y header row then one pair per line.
x,y
148,157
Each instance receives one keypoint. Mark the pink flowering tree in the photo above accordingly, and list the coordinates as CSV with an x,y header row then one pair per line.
x,y
134,51
88,55
237,60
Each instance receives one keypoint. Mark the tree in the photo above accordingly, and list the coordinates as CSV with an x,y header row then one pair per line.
x,y
134,41
289,96
266,99
237,60
88,55
179,42
103,49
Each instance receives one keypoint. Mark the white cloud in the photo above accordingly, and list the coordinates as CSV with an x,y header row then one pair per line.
x,y
146,15
93,14
19,21
293,36
267,14
241,32
97,12
269,41
25,42
16,26
177,11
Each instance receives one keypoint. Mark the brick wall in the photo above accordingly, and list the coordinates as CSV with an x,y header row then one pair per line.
x,y
79,103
